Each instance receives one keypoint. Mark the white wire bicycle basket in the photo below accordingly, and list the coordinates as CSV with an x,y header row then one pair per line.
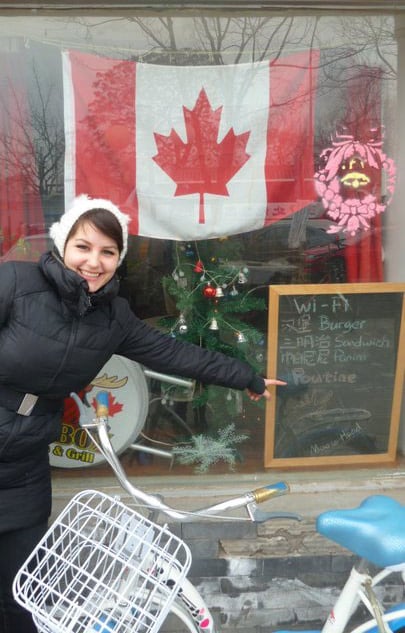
x,y
102,567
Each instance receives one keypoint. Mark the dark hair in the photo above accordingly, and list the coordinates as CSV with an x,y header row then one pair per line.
x,y
104,221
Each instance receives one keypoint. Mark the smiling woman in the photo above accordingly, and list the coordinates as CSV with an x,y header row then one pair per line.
x,y
68,305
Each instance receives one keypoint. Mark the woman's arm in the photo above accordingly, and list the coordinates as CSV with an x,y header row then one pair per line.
x,y
166,354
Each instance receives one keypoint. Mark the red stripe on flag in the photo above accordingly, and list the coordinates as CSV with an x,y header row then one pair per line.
x,y
289,166
104,104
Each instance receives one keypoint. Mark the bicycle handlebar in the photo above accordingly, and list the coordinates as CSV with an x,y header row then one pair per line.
x,y
102,408
249,500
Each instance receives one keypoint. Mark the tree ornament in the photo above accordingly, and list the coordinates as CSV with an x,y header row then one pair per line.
x,y
242,279
219,292
199,267
240,337
189,251
214,324
233,292
182,325
181,279
209,291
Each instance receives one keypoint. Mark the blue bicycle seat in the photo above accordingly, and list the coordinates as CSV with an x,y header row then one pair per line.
x,y
375,530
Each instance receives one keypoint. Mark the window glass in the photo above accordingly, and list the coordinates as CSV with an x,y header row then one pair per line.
x,y
321,207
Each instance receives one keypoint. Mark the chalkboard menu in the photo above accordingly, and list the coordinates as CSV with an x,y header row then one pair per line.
x,y
340,347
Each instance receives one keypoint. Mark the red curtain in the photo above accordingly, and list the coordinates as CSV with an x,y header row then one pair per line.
x,y
364,256
364,259
20,203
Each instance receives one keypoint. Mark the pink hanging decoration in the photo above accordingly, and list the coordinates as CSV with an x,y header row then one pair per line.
x,y
350,183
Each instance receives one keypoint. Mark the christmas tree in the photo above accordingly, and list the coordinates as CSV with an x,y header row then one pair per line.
x,y
214,308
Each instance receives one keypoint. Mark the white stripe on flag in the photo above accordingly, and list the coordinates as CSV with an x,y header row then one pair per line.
x,y
242,91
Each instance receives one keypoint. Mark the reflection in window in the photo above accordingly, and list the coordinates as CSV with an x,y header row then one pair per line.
x,y
328,144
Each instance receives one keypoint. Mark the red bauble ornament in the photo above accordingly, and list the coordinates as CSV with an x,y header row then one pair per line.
x,y
209,292
199,267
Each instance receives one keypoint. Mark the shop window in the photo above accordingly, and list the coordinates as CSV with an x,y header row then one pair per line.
x,y
319,208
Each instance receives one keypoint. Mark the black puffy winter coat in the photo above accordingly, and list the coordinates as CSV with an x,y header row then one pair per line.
x,y
54,338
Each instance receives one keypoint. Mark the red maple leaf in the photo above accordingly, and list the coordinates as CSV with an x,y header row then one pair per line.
x,y
201,165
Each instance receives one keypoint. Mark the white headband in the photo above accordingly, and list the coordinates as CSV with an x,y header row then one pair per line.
x,y
59,231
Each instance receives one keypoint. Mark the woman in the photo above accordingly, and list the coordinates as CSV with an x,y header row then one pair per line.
x,y
60,321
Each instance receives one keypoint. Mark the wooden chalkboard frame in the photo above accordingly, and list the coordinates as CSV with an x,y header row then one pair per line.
x,y
277,291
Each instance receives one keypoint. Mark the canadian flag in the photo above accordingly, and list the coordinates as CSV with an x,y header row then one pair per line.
x,y
191,152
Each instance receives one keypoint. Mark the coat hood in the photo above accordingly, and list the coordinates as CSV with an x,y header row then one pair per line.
x,y
73,290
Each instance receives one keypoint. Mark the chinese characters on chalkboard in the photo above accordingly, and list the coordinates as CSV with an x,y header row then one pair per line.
x,y
337,346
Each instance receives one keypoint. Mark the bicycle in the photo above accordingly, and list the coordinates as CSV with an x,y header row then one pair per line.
x,y
373,531
103,566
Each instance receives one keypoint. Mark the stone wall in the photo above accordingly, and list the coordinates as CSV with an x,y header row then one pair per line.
x,y
277,575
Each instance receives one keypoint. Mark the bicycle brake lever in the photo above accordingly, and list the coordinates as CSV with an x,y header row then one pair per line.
x,y
85,419
259,516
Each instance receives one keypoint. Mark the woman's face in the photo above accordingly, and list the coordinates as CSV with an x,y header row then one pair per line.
x,y
92,255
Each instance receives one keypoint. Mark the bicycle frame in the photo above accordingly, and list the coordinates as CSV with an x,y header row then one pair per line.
x,y
189,605
357,586
354,592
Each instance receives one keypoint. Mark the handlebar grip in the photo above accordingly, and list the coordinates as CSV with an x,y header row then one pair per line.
x,y
272,490
102,409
